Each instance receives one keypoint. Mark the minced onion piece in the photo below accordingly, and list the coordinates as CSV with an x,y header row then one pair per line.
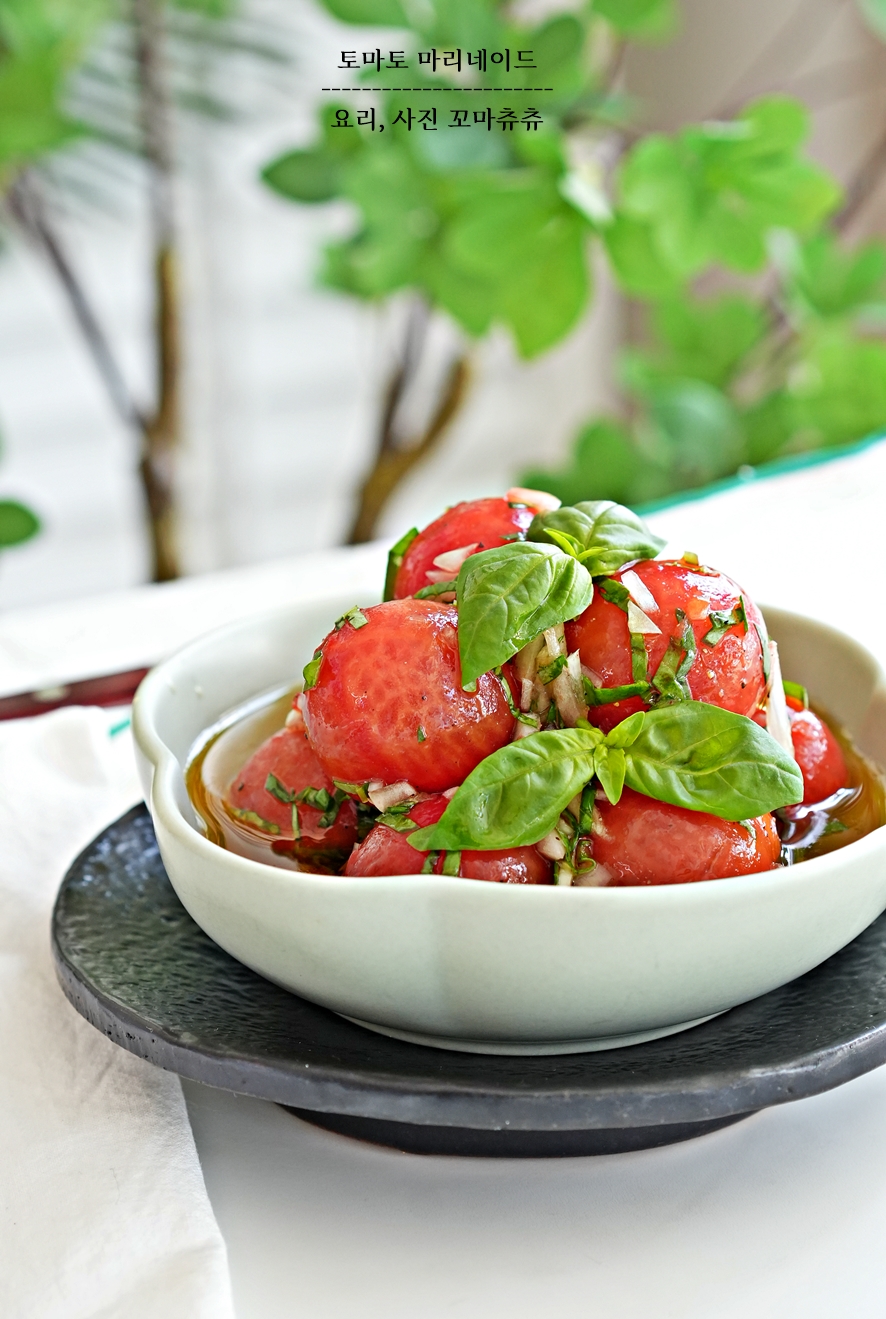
x,y
568,693
384,796
596,878
526,730
552,846
526,687
538,500
640,591
525,660
641,623
563,875
449,563
777,721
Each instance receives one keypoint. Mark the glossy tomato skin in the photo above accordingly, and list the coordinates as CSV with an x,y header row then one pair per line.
x,y
641,841
729,674
388,702
290,759
384,851
485,523
819,755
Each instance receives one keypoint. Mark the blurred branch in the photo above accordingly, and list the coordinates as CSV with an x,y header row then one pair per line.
x,y
162,430
394,460
864,184
27,206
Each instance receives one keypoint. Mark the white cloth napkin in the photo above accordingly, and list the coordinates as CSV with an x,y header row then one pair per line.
x,y
103,1209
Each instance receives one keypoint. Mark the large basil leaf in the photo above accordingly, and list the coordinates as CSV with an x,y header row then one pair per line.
x,y
515,796
606,535
509,595
696,755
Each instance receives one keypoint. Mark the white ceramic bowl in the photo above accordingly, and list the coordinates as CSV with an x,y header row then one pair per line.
x,y
489,967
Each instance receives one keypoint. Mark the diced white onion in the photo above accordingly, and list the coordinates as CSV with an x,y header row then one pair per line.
x,y
538,500
640,591
596,878
451,560
777,720
295,719
563,877
384,796
640,622
450,793
594,677
554,640
552,847
524,730
526,659
526,687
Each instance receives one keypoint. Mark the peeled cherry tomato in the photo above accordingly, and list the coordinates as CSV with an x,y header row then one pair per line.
x,y
385,851
819,756
388,702
481,523
729,674
641,841
290,759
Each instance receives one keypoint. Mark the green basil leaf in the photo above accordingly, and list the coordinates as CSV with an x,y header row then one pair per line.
x,y
514,797
797,690
434,589
704,758
396,555
311,671
722,620
607,535
509,595
610,766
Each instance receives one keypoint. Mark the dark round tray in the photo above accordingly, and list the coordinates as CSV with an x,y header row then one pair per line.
x,y
132,962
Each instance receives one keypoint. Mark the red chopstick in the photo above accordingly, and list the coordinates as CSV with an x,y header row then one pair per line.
x,y
108,689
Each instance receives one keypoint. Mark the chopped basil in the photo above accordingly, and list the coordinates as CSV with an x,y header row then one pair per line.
x,y
435,588
311,671
606,695
722,620
615,592
251,817
671,675
834,827
548,672
430,862
421,734
277,789
357,790
639,658
320,798
451,863
797,690
354,616
396,555
397,820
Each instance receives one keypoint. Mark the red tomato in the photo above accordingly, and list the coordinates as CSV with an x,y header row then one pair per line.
x,y
384,851
819,756
641,841
388,702
481,523
290,759
729,674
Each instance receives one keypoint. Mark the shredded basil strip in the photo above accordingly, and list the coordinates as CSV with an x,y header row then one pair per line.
x,y
606,695
354,616
395,820
767,657
690,754
311,671
421,735
639,658
548,672
396,555
671,679
252,817
615,592
435,588
430,862
452,863
722,620
797,690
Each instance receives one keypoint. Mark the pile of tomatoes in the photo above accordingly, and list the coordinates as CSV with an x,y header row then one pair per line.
x,y
387,723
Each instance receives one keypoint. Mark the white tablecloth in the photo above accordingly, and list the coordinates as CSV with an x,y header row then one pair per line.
x,y
782,1214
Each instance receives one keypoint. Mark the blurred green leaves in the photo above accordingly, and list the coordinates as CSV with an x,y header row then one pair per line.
x,y
17,523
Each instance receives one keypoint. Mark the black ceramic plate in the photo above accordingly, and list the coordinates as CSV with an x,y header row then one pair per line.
x,y
132,961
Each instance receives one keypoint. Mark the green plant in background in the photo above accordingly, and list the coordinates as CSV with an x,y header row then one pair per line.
x,y
497,227
101,71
